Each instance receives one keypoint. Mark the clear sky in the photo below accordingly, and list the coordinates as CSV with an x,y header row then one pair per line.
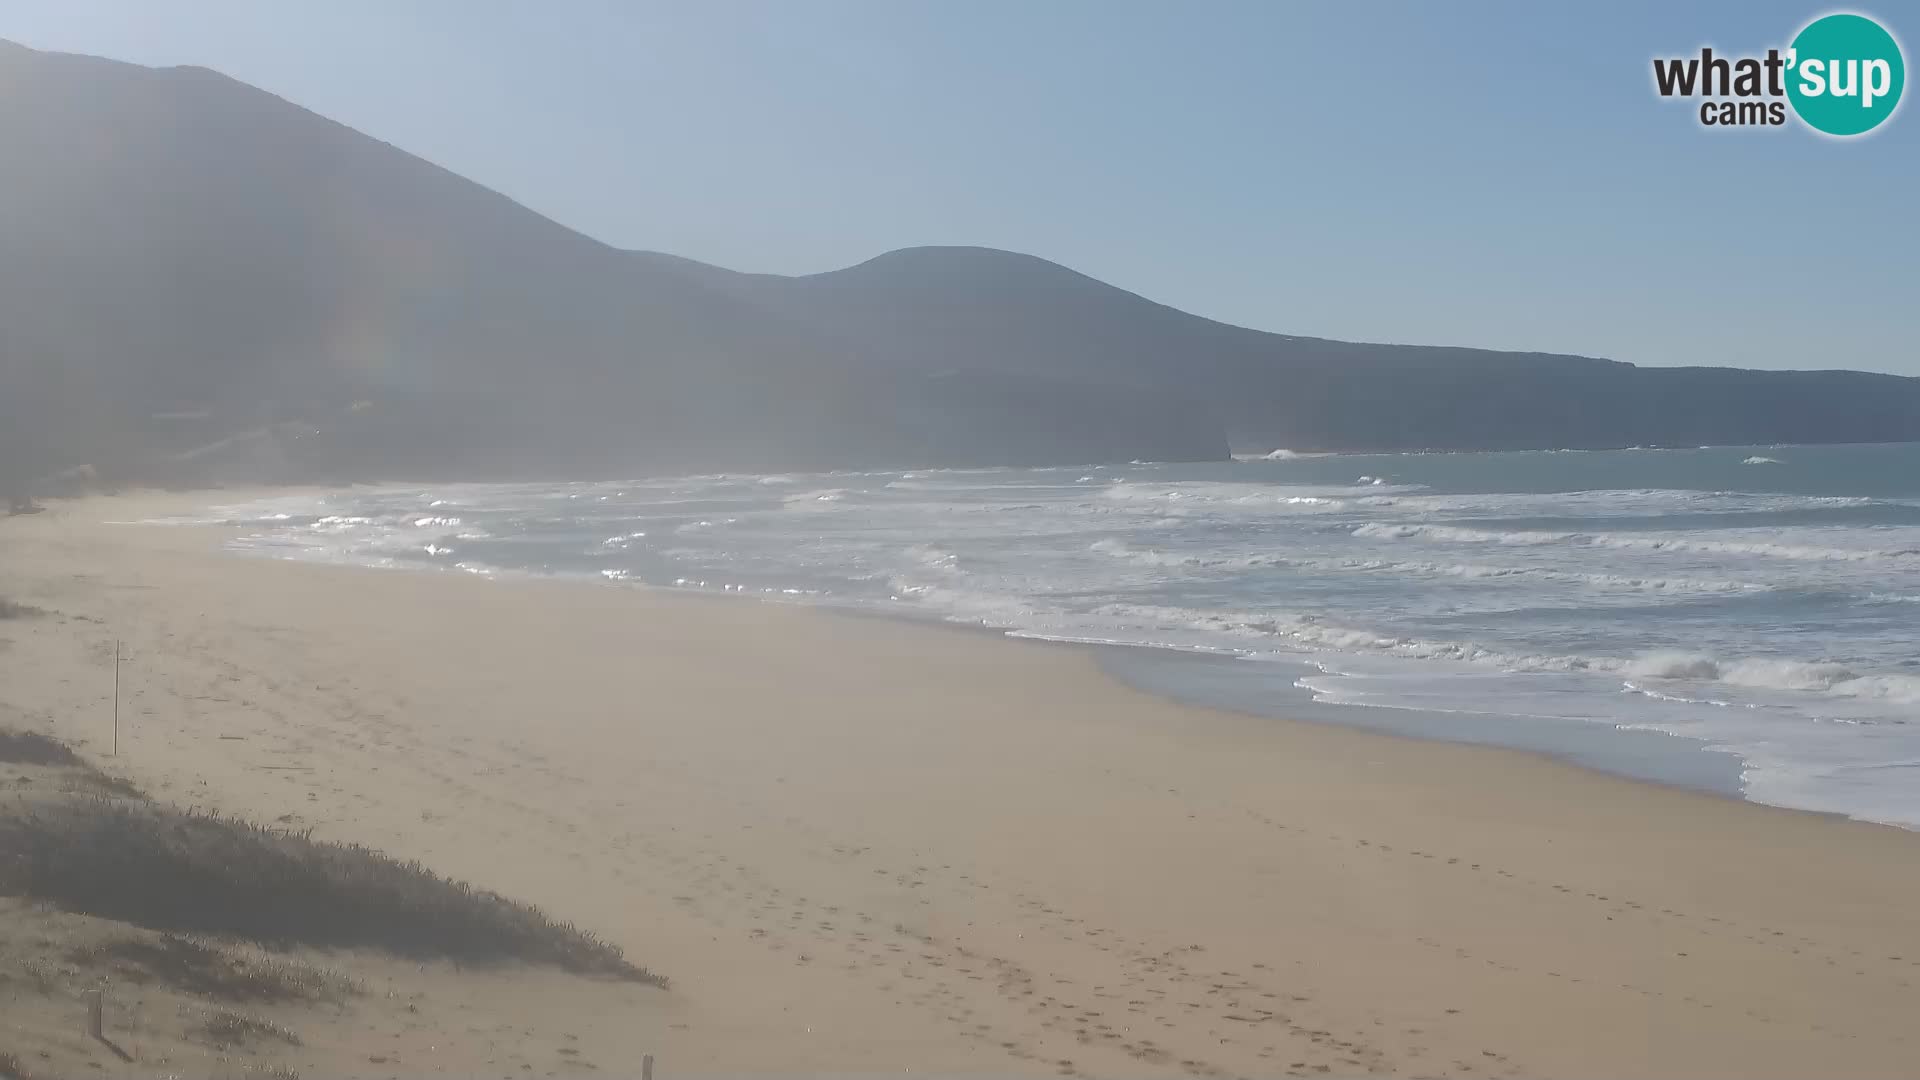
x,y
1479,174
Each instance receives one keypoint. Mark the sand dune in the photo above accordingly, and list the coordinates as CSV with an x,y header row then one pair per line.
x,y
856,845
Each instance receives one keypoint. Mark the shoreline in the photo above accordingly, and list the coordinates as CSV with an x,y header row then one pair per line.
x,y
1694,767
856,845
1666,759
1115,657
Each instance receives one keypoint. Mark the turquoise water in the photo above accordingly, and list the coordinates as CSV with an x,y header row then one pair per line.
x,y
1760,602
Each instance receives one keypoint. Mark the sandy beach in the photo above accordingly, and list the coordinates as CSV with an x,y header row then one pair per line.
x,y
859,845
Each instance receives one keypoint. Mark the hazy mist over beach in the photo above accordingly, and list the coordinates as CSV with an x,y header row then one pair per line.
x,y
294,301
957,539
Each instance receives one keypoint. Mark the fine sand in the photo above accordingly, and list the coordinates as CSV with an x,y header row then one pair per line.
x,y
866,846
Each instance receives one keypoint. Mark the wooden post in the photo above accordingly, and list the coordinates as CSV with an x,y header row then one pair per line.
x,y
96,1006
116,697
646,1067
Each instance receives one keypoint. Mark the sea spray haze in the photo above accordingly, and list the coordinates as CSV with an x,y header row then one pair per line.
x,y
293,301
1759,600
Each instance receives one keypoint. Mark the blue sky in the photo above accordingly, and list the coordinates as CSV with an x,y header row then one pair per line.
x,y
1483,174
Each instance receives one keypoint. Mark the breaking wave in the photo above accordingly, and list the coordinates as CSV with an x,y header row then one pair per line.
x,y
1525,538
1120,549
1774,674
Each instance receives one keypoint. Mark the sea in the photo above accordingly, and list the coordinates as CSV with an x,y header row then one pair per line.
x,y
1744,620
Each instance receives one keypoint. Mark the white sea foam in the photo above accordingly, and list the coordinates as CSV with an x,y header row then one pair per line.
x,y
1673,665
1777,674
1120,549
1234,497
1635,542
702,524
1315,632
934,557
1681,699
1281,454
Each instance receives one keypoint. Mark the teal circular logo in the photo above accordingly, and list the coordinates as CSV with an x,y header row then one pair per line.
x,y
1845,74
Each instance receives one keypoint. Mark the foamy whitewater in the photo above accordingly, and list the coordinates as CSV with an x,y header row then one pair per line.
x,y
1760,602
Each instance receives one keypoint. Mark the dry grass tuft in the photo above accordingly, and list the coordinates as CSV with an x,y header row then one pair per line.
x,y
198,873
95,782
42,975
224,1028
13,609
33,748
204,968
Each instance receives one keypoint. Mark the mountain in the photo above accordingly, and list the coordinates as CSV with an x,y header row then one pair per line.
x,y
980,309
200,280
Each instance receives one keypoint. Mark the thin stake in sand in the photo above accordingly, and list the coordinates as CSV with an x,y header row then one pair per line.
x,y
117,658
96,1006
96,1021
